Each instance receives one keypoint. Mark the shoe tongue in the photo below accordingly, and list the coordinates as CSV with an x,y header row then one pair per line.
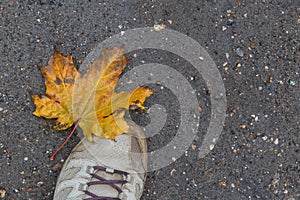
x,y
115,154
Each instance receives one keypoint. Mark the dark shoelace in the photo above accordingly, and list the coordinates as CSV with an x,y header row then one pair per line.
x,y
101,180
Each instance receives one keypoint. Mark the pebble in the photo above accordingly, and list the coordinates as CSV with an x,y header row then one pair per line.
x,y
266,67
40,183
293,83
194,146
239,52
255,117
227,55
264,138
222,183
172,171
159,27
276,141
2,193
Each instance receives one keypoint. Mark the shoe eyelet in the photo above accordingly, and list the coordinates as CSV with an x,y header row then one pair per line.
x,y
82,187
128,178
89,170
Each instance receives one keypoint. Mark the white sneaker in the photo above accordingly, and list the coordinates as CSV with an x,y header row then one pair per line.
x,y
105,169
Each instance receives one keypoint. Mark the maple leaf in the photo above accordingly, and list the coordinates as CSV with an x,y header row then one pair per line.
x,y
89,98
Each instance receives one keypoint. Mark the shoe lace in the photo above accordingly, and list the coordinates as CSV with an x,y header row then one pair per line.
x,y
102,181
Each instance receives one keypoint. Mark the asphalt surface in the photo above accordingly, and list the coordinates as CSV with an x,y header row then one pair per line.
x,y
255,45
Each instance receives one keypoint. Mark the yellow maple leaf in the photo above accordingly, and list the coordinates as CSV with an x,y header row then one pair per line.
x,y
88,98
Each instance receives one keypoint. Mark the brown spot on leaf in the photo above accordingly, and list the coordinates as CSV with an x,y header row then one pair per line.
x,y
58,81
108,115
137,101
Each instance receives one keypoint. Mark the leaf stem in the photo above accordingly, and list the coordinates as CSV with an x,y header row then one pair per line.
x,y
66,140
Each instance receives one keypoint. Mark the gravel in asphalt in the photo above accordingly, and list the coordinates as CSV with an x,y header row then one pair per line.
x,y
255,45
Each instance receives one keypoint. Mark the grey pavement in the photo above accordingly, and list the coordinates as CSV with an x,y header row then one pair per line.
x,y
255,45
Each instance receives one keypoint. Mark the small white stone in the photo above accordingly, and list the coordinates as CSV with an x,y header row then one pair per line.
x,y
186,153
293,83
276,141
264,138
227,55
159,27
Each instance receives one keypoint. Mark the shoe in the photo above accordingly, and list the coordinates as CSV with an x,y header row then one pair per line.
x,y
105,169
